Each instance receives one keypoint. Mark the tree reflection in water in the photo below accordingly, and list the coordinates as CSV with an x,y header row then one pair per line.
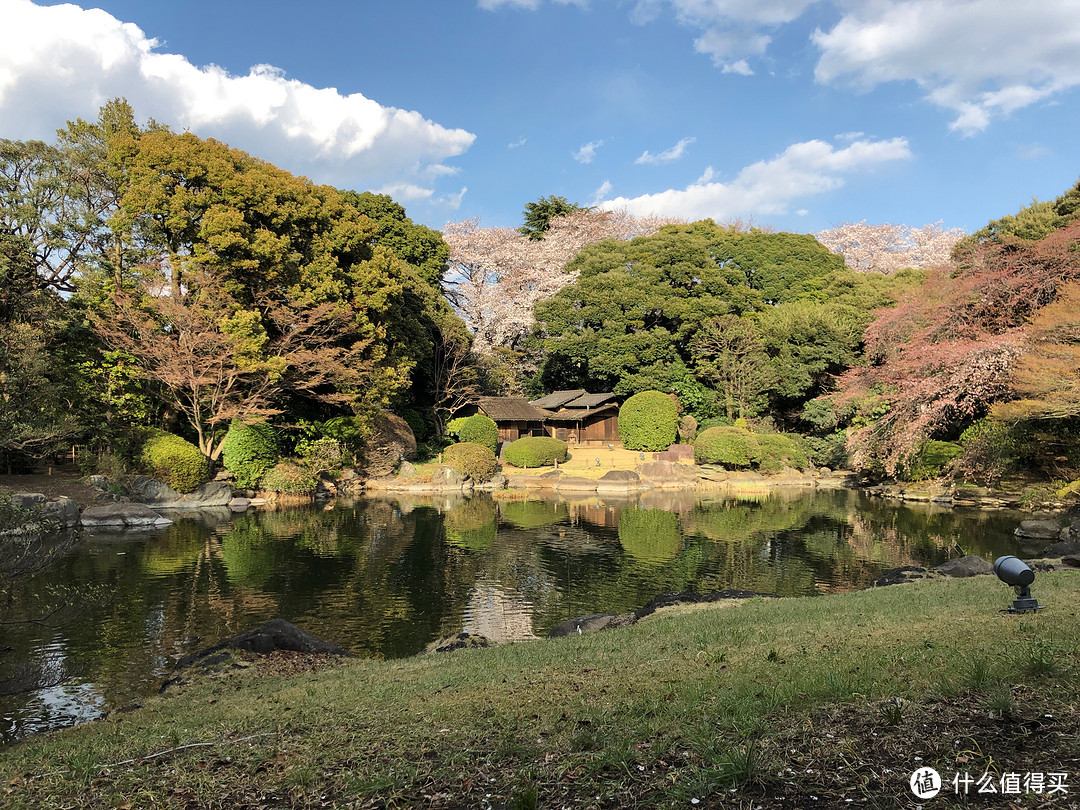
x,y
385,577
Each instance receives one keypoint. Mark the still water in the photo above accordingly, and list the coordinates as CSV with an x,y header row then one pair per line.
x,y
383,578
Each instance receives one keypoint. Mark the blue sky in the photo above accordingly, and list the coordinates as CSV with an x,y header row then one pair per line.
x,y
799,114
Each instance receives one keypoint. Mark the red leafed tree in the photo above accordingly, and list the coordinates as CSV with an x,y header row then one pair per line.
x,y
946,353
222,360
887,248
497,275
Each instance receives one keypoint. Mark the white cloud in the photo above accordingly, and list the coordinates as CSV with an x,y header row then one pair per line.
x,y
981,59
529,5
668,155
600,193
587,152
62,61
516,144
731,31
768,187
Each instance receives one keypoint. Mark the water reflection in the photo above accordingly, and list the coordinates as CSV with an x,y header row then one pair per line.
x,y
385,577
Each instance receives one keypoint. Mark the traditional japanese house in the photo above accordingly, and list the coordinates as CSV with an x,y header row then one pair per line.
x,y
514,416
582,418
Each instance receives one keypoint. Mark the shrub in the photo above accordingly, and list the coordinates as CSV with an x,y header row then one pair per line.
x,y
648,421
479,429
420,423
289,477
471,459
779,450
730,446
534,451
688,428
174,460
453,427
323,456
828,451
930,460
249,451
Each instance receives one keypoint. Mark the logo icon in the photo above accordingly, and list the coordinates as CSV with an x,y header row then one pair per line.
x,y
925,783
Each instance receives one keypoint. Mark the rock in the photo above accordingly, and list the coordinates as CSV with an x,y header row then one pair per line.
x,y
593,623
666,600
898,576
27,500
447,477
461,641
1039,529
496,482
406,470
677,452
240,504
63,511
617,482
98,482
392,441
130,515
160,495
276,634
968,566
348,475
575,483
1063,548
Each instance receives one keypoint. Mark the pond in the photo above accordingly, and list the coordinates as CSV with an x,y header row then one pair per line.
x,y
383,578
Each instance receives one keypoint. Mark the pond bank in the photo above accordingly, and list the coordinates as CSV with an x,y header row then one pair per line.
x,y
748,707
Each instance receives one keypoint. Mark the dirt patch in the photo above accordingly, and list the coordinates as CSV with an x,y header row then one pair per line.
x,y
51,486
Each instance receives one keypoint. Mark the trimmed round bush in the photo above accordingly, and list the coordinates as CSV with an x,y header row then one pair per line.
x,y
534,451
471,459
290,478
729,446
174,460
779,450
648,421
479,429
249,451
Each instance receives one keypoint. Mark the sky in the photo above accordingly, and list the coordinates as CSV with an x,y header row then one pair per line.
x,y
796,114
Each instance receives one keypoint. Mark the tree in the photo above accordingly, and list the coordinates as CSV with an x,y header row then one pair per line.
x,y
220,361
887,248
497,275
539,215
1046,378
729,354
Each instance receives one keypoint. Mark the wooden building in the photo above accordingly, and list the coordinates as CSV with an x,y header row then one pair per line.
x,y
514,416
580,417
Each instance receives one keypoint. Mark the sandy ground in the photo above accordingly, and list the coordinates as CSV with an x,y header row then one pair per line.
x,y
583,462
51,486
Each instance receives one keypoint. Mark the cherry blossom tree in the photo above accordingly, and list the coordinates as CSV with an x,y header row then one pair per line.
x,y
887,248
497,275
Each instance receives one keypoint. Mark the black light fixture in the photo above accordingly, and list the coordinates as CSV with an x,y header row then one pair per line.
x,y
1017,573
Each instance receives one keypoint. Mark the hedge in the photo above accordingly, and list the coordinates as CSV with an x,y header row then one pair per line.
x,y
534,451
248,452
779,450
479,429
471,459
730,446
648,421
174,460
291,478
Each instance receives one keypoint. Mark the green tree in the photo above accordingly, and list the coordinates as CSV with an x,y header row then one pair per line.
x,y
538,215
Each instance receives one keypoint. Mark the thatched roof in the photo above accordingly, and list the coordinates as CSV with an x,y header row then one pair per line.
x,y
558,398
581,414
511,409
591,400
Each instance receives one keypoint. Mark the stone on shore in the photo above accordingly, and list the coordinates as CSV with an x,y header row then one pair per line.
x,y
968,566
593,623
1039,529
276,634
127,515
159,495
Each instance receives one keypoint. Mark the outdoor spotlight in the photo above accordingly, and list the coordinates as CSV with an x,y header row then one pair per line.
x,y
1017,573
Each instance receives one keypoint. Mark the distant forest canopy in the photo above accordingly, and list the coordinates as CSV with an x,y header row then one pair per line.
x,y
153,280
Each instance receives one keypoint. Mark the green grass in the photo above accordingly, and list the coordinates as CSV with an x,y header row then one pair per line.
x,y
677,707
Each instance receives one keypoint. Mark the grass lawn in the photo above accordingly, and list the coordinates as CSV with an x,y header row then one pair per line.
x,y
818,702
